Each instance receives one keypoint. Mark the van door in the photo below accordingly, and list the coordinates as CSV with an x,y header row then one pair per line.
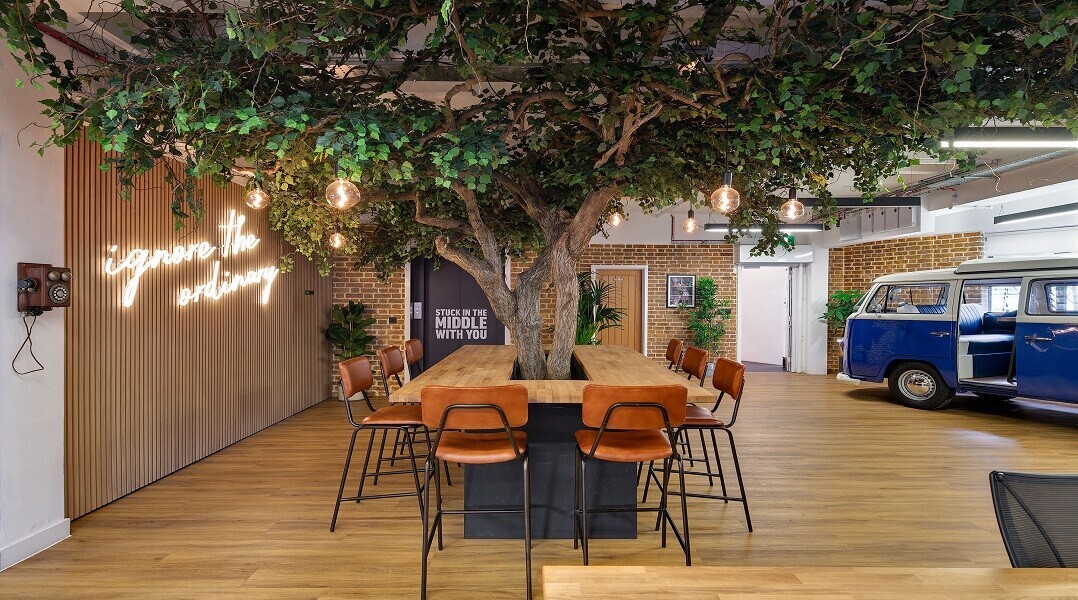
x,y
904,321
1046,340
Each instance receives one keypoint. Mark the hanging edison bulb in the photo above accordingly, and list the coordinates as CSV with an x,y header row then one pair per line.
x,y
342,194
690,225
726,199
615,218
257,198
337,240
793,209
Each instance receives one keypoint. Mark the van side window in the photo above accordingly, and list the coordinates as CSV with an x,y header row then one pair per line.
x,y
920,298
994,295
1053,297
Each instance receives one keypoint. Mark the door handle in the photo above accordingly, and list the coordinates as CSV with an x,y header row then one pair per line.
x,y
941,334
1037,338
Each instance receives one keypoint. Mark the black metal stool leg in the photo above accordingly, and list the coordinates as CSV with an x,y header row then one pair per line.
x,y
527,526
381,453
663,498
707,460
584,510
718,465
366,463
576,500
684,512
740,481
344,478
415,470
427,532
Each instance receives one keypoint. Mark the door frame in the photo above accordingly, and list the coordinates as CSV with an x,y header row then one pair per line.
x,y
643,296
796,342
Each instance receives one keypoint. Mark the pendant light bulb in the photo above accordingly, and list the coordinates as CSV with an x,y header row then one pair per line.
x,y
342,194
726,199
691,225
616,218
793,209
257,198
337,240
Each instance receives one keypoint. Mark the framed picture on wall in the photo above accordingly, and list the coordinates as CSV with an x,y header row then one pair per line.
x,y
680,291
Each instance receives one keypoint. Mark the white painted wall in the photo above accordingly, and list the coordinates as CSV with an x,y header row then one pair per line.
x,y
764,304
31,406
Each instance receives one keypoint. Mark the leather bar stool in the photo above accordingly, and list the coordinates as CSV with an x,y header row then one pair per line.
x,y
391,360
476,426
729,380
356,378
630,424
674,351
392,363
413,353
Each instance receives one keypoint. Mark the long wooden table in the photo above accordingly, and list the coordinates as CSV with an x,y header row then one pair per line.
x,y
493,365
847,583
553,418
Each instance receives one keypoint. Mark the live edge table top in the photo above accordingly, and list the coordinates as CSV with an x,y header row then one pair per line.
x,y
477,366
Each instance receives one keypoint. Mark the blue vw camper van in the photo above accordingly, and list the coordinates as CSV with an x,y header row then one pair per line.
x,y
998,328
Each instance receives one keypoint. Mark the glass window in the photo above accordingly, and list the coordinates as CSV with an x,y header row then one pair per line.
x,y
1053,297
919,298
995,295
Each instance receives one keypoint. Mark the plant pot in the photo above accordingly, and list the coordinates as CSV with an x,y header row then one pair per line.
x,y
710,371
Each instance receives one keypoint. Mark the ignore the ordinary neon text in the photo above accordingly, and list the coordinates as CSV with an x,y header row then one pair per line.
x,y
139,261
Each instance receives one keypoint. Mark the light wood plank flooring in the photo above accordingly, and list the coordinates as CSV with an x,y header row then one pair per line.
x,y
837,475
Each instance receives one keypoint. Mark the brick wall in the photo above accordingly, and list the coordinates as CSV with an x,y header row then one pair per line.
x,y
855,267
383,299
386,299
704,260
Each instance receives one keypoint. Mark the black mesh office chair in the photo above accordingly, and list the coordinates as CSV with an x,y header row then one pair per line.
x,y
1038,517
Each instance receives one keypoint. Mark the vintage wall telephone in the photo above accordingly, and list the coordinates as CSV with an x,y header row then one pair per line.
x,y
43,287
40,287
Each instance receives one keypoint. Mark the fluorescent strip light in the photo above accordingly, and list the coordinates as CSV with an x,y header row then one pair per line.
x,y
1011,144
1040,213
806,228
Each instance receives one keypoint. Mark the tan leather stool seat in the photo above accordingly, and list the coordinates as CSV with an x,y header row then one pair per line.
x,y
395,415
479,448
626,446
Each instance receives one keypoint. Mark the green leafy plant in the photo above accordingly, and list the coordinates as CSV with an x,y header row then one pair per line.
x,y
840,305
707,320
348,330
593,314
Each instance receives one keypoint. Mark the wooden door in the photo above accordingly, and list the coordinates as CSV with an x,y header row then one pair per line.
x,y
626,293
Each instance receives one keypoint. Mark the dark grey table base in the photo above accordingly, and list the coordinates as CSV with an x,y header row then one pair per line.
x,y
553,455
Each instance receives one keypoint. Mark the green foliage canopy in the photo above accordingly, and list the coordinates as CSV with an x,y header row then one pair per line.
x,y
559,99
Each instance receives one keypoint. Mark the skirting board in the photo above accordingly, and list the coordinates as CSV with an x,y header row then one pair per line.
x,y
30,545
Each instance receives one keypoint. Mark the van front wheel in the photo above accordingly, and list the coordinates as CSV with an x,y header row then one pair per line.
x,y
919,386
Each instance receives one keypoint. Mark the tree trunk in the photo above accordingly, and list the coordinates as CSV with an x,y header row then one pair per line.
x,y
563,276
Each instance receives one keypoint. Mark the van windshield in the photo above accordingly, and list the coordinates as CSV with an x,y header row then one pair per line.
x,y
916,298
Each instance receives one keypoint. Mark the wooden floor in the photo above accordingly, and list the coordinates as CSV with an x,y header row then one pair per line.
x,y
837,475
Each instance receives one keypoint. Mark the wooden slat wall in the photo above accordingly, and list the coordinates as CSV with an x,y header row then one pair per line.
x,y
155,387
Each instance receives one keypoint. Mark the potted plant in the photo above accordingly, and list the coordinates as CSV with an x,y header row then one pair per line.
x,y
347,331
707,320
840,305
593,314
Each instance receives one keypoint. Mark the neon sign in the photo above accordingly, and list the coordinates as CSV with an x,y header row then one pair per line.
x,y
139,261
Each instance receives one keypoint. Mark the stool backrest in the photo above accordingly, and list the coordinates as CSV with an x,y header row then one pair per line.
x,y
471,408
729,377
356,376
634,407
413,351
673,350
1038,517
695,363
392,361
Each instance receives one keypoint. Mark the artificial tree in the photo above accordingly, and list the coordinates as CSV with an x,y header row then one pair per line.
x,y
481,130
